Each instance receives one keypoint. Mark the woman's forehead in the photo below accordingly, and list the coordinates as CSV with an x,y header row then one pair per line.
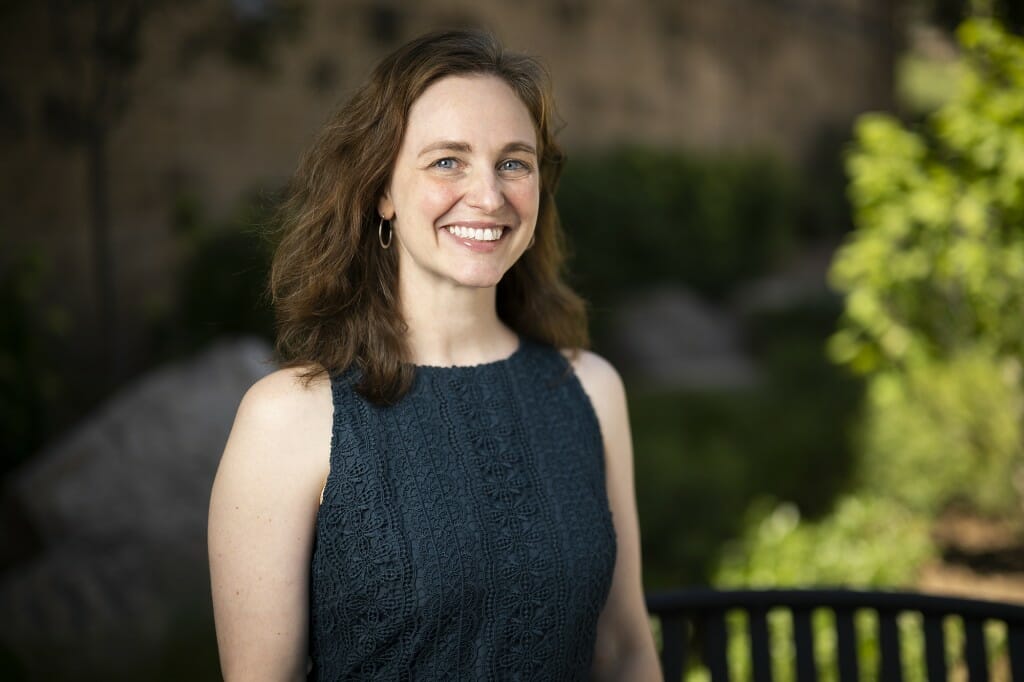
x,y
473,108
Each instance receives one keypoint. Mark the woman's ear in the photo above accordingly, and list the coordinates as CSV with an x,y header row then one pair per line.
x,y
385,207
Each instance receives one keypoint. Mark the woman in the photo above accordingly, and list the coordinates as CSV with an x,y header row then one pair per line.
x,y
430,489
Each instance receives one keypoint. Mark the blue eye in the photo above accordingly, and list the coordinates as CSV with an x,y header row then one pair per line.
x,y
514,165
446,163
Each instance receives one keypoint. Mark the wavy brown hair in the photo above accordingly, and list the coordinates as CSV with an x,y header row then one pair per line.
x,y
335,290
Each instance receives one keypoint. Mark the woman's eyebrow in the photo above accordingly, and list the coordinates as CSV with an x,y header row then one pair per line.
x,y
449,145
519,147
465,147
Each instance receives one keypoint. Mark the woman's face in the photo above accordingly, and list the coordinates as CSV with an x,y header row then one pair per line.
x,y
465,188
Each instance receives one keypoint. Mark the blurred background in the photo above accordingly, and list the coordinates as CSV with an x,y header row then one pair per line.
x,y
799,223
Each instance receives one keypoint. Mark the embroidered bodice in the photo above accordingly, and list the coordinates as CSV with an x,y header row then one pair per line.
x,y
464,532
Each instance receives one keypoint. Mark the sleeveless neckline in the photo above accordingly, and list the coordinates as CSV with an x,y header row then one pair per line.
x,y
465,531
492,364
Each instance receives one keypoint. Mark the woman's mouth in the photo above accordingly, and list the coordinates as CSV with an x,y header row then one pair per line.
x,y
480,234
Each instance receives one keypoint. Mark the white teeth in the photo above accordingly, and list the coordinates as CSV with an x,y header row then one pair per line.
x,y
486,234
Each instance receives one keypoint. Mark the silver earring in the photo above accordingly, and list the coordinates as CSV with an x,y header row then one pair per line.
x,y
380,234
533,239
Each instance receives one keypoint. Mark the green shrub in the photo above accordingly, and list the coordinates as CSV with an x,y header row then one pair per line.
x,y
945,432
30,384
937,260
703,457
637,217
223,280
934,284
867,541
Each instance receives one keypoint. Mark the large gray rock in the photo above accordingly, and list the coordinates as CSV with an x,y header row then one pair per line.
x,y
669,338
120,507
803,281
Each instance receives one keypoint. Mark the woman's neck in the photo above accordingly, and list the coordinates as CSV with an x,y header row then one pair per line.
x,y
455,325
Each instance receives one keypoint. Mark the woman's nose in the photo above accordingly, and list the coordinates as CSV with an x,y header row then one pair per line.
x,y
485,191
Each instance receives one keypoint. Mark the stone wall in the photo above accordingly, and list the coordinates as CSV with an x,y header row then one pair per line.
x,y
729,74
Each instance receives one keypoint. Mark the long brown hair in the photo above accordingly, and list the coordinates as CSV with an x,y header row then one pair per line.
x,y
335,290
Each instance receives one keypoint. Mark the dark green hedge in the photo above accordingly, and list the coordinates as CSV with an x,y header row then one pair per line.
x,y
637,217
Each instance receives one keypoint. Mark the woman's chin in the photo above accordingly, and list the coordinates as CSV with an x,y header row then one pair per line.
x,y
478,278
480,282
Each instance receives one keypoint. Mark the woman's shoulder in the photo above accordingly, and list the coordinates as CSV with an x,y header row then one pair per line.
x,y
593,371
287,393
288,411
604,388
599,379
278,452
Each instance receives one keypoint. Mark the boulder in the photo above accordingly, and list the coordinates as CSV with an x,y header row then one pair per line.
x,y
119,507
668,337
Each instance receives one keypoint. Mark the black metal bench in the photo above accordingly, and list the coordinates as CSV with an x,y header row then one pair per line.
x,y
693,627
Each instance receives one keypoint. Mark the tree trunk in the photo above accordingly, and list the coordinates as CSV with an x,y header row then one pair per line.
x,y
103,262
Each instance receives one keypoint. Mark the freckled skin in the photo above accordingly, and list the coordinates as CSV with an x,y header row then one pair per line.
x,y
486,181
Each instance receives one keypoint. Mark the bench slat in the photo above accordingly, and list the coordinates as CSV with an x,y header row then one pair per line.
x,y
846,645
673,647
702,612
935,648
716,646
760,652
1015,645
974,650
803,638
891,664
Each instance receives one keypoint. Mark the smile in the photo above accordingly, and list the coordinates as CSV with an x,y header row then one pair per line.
x,y
486,234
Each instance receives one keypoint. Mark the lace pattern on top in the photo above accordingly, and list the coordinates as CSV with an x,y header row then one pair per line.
x,y
464,532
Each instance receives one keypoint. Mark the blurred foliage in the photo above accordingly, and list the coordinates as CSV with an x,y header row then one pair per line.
x,y
225,265
869,541
247,33
638,217
934,278
852,546
946,432
922,83
11,667
703,458
29,380
938,260
824,214
934,282
948,14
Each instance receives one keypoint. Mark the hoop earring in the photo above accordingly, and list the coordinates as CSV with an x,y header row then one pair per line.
x,y
380,234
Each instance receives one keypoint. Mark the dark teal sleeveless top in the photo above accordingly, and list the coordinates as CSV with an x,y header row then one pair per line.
x,y
465,532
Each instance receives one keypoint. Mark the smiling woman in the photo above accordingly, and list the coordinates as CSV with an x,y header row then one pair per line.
x,y
336,290
439,484
450,199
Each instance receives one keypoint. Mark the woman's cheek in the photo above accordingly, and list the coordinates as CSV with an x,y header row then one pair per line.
x,y
525,198
440,196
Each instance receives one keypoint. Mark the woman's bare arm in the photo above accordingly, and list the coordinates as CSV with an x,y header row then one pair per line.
x,y
625,647
262,515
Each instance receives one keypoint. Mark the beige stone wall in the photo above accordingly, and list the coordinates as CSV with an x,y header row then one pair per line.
x,y
711,75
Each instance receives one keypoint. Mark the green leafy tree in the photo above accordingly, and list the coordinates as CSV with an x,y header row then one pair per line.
x,y
934,284
949,13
